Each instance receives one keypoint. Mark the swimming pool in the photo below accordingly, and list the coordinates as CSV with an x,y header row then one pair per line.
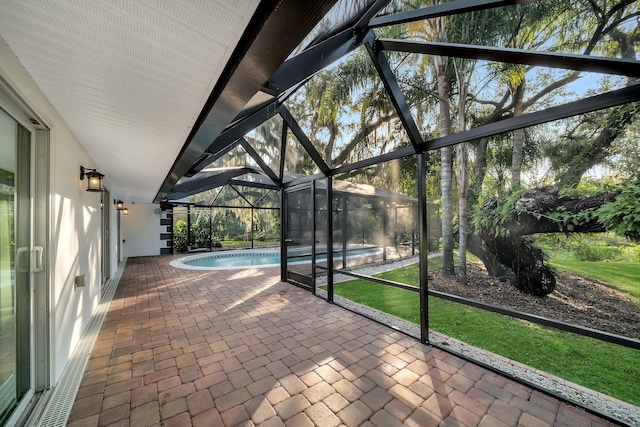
x,y
236,259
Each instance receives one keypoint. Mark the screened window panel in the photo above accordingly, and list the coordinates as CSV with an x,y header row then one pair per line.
x,y
543,26
229,197
237,156
271,199
266,139
375,213
491,90
346,112
297,161
342,12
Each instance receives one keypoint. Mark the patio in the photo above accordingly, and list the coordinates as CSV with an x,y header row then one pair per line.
x,y
224,348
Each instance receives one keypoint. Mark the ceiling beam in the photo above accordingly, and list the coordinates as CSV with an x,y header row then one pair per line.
x,y
263,165
587,105
395,93
303,139
207,183
596,64
251,184
310,61
449,8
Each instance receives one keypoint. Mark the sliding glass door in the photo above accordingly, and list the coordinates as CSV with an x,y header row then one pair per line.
x,y
15,263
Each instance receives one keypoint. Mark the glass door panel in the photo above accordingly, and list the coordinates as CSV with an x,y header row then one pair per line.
x,y
321,232
106,237
15,262
299,235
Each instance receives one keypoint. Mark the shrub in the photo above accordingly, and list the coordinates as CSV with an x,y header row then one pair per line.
x,y
180,236
596,251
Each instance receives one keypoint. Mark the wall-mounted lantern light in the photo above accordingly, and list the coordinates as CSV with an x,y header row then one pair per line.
x,y
119,204
125,211
94,179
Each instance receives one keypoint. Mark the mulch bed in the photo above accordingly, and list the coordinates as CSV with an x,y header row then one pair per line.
x,y
577,299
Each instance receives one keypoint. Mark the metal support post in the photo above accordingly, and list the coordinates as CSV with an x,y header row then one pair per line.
x,y
313,237
283,235
422,242
330,240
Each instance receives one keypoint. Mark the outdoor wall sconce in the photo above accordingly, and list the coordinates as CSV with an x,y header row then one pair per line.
x,y
125,211
119,204
94,179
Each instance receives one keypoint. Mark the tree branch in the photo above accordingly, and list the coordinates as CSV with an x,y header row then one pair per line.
x,y
553,86
357,139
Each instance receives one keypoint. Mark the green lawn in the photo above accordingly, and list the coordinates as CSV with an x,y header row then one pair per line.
x,y
624,276
578,359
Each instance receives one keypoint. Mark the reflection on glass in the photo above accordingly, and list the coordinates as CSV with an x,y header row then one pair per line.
x,y
299,233
297,161
375,213
8,263
266,140
321,230
235,157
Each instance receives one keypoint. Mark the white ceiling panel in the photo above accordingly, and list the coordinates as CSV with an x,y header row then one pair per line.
x,y
129,77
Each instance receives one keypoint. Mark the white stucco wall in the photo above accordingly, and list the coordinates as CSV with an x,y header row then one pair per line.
x,y
141,230
75,222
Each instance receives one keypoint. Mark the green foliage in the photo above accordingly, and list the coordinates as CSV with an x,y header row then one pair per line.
x,y
497,212
199,235
624,155
586,251
590,187
620,117
623,214
568,221
225,225
180,236
589,247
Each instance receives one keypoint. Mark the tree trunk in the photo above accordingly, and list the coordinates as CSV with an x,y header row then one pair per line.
x,y
440,70
462,158
518,138
462,213
531,214
476,246
530,274
447,213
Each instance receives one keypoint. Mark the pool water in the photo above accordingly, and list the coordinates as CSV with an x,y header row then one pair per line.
x,y
262,258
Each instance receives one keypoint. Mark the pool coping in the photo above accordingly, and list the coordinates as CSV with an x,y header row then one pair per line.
x,y
179,262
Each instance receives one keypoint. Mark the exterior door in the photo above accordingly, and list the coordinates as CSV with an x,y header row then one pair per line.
x,y
24,265
298,235
106,237
15,264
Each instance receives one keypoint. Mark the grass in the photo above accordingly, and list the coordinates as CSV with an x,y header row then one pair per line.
x,y
608,368
624,276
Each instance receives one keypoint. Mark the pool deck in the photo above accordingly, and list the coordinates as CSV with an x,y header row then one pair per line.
x,y
240,348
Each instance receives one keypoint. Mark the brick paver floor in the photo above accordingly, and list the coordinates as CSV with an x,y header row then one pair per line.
x,y
239,348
